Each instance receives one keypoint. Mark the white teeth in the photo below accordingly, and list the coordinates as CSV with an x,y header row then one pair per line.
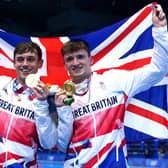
x,y
78,68
25,70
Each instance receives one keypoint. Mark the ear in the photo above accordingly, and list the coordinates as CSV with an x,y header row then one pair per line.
x,y
14,64
65,66
91,60
40,64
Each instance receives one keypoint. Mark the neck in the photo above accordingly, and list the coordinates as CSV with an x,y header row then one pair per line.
x,y
22,82
79,80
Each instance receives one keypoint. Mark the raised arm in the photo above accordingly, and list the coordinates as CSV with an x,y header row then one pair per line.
x,y
157,69
141,79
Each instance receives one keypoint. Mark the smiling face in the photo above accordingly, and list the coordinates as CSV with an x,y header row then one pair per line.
x,y
25,64
78,64
77,59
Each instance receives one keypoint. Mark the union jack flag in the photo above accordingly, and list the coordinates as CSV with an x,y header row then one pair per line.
x,y
126,45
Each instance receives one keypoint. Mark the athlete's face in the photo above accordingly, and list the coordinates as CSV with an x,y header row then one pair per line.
x,y
25,64
78,64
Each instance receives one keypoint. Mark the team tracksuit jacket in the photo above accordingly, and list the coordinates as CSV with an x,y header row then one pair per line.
x,y
24,123
98,139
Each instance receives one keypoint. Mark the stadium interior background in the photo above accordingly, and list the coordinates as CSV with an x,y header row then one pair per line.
x,y
54,18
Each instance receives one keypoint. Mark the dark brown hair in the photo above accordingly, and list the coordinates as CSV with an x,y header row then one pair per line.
x,y
75,45
28,46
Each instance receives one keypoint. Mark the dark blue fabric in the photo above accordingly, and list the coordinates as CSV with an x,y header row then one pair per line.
x,y
52,107
111,161
15,165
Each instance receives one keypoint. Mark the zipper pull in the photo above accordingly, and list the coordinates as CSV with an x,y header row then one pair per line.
x,y
117,155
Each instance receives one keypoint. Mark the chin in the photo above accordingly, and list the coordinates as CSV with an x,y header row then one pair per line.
x,y
25,75
78,76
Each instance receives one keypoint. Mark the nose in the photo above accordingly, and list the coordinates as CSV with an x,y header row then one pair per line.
x,y
25,62
75,61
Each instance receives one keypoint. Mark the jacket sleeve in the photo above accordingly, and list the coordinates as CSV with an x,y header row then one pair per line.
x,y
65,127
46,127
141,79
152,73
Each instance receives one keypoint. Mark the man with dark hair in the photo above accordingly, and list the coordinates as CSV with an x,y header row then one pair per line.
x,y
101,99
25,121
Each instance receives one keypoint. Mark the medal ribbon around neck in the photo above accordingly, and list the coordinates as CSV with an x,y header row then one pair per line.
x,y
18,89
83,87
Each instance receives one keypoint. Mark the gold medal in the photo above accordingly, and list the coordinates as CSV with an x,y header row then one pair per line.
x,y
69,88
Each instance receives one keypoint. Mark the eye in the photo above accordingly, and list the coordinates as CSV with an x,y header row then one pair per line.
x,y
19,59
80,56
30,59
69,59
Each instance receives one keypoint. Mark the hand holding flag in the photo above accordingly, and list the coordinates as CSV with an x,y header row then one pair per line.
x,y
126,45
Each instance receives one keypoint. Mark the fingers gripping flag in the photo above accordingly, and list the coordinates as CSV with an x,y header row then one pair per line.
x,y
126,45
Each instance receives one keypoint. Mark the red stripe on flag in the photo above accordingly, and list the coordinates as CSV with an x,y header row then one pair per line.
x,y
135,64
148,114
129,66
56,73
7,72
5,55
132,26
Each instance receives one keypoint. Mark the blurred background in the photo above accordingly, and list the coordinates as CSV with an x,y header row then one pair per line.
x,y
145,154
48,18
54,18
